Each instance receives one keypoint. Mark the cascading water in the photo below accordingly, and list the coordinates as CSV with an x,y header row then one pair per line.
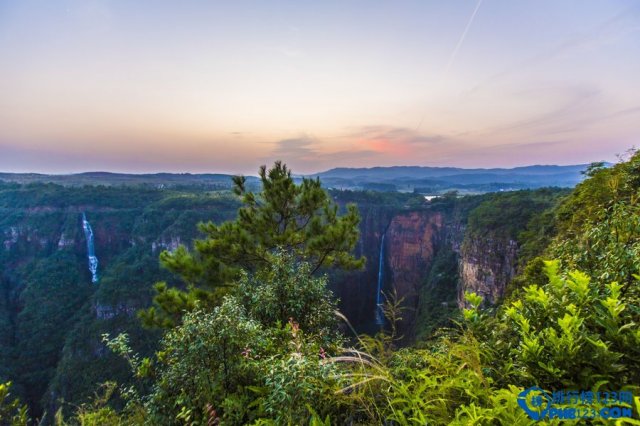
x,y
379,295
91,251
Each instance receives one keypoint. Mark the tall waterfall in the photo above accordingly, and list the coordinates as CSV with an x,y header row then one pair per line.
x,y
91,251
379,295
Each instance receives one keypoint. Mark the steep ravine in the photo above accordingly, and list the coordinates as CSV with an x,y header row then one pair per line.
x,y
52,315
420,244
414,241
428,255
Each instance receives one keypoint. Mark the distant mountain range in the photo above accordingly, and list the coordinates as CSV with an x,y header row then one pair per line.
x,y
438,179
173,180
427,180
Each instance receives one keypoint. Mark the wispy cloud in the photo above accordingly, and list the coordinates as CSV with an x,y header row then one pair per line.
x,y
379,145
306,154
607,32
300,148
575,105
399,135
623,112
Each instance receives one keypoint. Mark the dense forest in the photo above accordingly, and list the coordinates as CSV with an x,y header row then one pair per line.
x,y
238,306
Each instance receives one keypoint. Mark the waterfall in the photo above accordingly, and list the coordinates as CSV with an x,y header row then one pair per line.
x,y
91,251
379,295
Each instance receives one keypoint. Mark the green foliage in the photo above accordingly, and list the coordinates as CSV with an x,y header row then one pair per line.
x,y
562,330
608,249
55,292
51,316
598,226
256,357
521,219
565,329
507,214
574,332
201,361
437,301
285,292
587,201
594,229
296,380
97,413
500,408
12,413
392,199
569,333
299,219
415,386
52,195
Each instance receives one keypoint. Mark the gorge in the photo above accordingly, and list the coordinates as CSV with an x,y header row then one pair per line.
x,y
423,251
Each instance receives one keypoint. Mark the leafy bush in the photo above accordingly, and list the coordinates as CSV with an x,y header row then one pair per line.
x,y
11,412
573,332
201,362
570,333
287,291
257,357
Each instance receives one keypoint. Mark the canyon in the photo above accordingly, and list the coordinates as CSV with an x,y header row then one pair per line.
x,y
46,284
412,240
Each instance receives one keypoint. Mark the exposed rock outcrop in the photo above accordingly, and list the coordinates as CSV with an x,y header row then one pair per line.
x,y
164,244
412,241
486,265
65,242
11,235
105,311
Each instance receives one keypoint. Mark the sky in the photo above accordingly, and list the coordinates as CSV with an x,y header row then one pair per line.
x,y
225,86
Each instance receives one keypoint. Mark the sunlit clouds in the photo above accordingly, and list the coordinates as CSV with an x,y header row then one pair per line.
x,y
226,86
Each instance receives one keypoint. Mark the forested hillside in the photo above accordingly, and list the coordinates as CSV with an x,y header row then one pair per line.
x,y
51,313
483,296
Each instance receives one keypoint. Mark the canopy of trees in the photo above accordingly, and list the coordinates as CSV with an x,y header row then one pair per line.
x,y
299,219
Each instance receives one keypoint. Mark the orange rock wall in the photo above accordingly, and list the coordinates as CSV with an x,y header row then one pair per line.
x,y
412,240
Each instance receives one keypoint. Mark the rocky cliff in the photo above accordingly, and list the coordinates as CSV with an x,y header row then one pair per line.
x,y
486,265
500,230
431,260
413,239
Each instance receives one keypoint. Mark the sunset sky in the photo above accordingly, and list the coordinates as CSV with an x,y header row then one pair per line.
x,y
213,86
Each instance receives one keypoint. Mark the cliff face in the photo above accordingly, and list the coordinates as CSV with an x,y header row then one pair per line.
x,y
357,289
412,241
486,265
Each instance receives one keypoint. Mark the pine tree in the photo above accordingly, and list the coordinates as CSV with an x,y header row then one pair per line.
x,y
298,219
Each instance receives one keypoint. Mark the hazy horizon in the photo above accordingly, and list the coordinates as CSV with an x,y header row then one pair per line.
x,y
150,87
317,172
